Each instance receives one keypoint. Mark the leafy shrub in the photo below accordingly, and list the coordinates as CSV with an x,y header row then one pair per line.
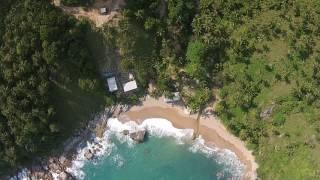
x,y
76,2
279,119
87,84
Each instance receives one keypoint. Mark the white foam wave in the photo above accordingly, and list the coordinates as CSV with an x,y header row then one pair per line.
x,y
164,128
102,147
118,160
99,147
222,156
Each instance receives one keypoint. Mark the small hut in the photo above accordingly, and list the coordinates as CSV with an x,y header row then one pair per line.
x,y
103,11
112,84
129,86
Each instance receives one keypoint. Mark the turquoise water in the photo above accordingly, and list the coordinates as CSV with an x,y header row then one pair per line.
x,y
156,159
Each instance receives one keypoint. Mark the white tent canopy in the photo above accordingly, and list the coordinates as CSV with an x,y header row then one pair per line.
x,y
131,85
103,10
112,84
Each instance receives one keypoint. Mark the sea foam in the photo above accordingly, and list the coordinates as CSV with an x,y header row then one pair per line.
x,y
102,147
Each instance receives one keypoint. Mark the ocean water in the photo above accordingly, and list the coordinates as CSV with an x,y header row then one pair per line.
x,y
167,154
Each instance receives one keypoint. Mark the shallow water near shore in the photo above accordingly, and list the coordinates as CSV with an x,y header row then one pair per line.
x,y
167,153
158,158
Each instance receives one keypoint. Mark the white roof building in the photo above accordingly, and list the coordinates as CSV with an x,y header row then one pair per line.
x,y
129,86
103,10
112,84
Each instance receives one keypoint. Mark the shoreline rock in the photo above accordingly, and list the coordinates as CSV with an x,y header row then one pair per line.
x,y
56,165
88,154
138,136
125,132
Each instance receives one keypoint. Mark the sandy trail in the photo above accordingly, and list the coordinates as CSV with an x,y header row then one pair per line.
x,y
211,129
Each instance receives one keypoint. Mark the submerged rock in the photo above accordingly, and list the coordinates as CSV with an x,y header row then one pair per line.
x,y
138,136
125,132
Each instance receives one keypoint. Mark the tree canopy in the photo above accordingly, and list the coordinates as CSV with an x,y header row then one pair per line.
x,y
258,55
41,49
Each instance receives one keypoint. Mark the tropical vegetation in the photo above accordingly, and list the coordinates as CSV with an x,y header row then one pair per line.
x,y
258,60
47,78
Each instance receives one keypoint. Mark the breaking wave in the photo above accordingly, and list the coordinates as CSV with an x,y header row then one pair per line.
x,y
102,147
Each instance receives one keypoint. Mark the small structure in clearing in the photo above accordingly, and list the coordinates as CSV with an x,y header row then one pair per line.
x,y
120,81
112,84
129,86
104,11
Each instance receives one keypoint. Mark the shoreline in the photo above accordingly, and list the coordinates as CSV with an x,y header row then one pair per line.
x,y
211,129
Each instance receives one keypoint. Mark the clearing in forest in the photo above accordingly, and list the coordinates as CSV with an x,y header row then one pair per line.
x,y
93,12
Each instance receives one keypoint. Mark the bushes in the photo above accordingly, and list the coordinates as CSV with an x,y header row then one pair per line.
x,y
76,2
87,84
279,119
199,99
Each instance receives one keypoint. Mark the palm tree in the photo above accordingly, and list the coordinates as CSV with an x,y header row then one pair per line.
x,y
196,134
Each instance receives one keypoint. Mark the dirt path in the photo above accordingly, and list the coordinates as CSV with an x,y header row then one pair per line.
x,y
93,12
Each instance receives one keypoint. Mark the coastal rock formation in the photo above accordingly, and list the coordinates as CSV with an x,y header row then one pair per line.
x,y
125,132
100,129
40,175
138,136
88,154
65,176
54,165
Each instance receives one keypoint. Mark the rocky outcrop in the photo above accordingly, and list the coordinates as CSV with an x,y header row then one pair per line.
x,y
40,175
138,136
65,176
100,129
57,165
88,154
53,165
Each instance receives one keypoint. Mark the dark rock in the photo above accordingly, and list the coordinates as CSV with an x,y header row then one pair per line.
x,y
42,174
62,159
88,154
99,145
64,162
51,160
65,176
54,167
138,136
125,132
48,176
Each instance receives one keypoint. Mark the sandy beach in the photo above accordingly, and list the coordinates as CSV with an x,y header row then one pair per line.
x,y
211,129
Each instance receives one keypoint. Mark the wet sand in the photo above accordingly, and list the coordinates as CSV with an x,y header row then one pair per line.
x,y
211,129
